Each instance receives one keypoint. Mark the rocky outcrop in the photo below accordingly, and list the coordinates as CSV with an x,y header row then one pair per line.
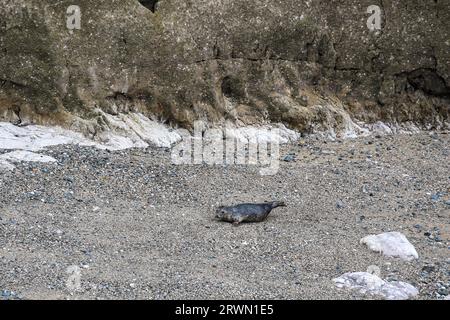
x,y
307,64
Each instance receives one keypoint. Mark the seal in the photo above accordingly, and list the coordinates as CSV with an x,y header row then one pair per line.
x,y
247,212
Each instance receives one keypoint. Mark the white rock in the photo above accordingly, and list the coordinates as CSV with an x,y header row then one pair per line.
x,y
6,166
126,131
111,141
34,138
261,134
393,244
367,283
22,155
136,130
380,128
152,131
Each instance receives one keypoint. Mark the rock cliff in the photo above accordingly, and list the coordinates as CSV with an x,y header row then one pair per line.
x,y
308,64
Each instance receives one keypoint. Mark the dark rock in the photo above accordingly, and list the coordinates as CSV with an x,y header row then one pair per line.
x,y
6,293
69,179
150,4
340,204
437,196
289,158
443,291
429,269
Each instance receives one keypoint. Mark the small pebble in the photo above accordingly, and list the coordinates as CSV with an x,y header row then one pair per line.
x,y
340,204
289,158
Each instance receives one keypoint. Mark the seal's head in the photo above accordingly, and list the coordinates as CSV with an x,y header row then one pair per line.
x,y
220,212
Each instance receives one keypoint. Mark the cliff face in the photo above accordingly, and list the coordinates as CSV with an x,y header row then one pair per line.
x,y
304,63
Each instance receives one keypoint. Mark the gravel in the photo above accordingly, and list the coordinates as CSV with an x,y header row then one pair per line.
x,y
130,225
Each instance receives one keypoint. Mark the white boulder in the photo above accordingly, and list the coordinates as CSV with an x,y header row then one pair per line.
x,y
5,166
392,244
22,155
371,284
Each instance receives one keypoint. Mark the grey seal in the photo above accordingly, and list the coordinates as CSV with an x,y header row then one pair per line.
x,y
247,212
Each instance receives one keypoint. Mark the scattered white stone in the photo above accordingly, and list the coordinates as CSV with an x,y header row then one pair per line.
x,y
151,131
261,134
367,283
352,130
6,166
126,131
35,138
392,244
380,128
137,131
348,129
22,155
111,141
134,130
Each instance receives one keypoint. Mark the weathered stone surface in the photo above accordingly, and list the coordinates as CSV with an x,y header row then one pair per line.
x,y
5,166
392,244
371,284
22,155
303,63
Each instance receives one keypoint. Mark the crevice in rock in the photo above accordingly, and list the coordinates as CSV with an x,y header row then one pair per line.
x,y
4,82
384,16
245,59
216,50
336,68
232,88
429,81
119,96
326,53
17,110
152,5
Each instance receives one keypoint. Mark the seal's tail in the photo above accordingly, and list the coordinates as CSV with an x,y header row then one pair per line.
x,y
277,204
